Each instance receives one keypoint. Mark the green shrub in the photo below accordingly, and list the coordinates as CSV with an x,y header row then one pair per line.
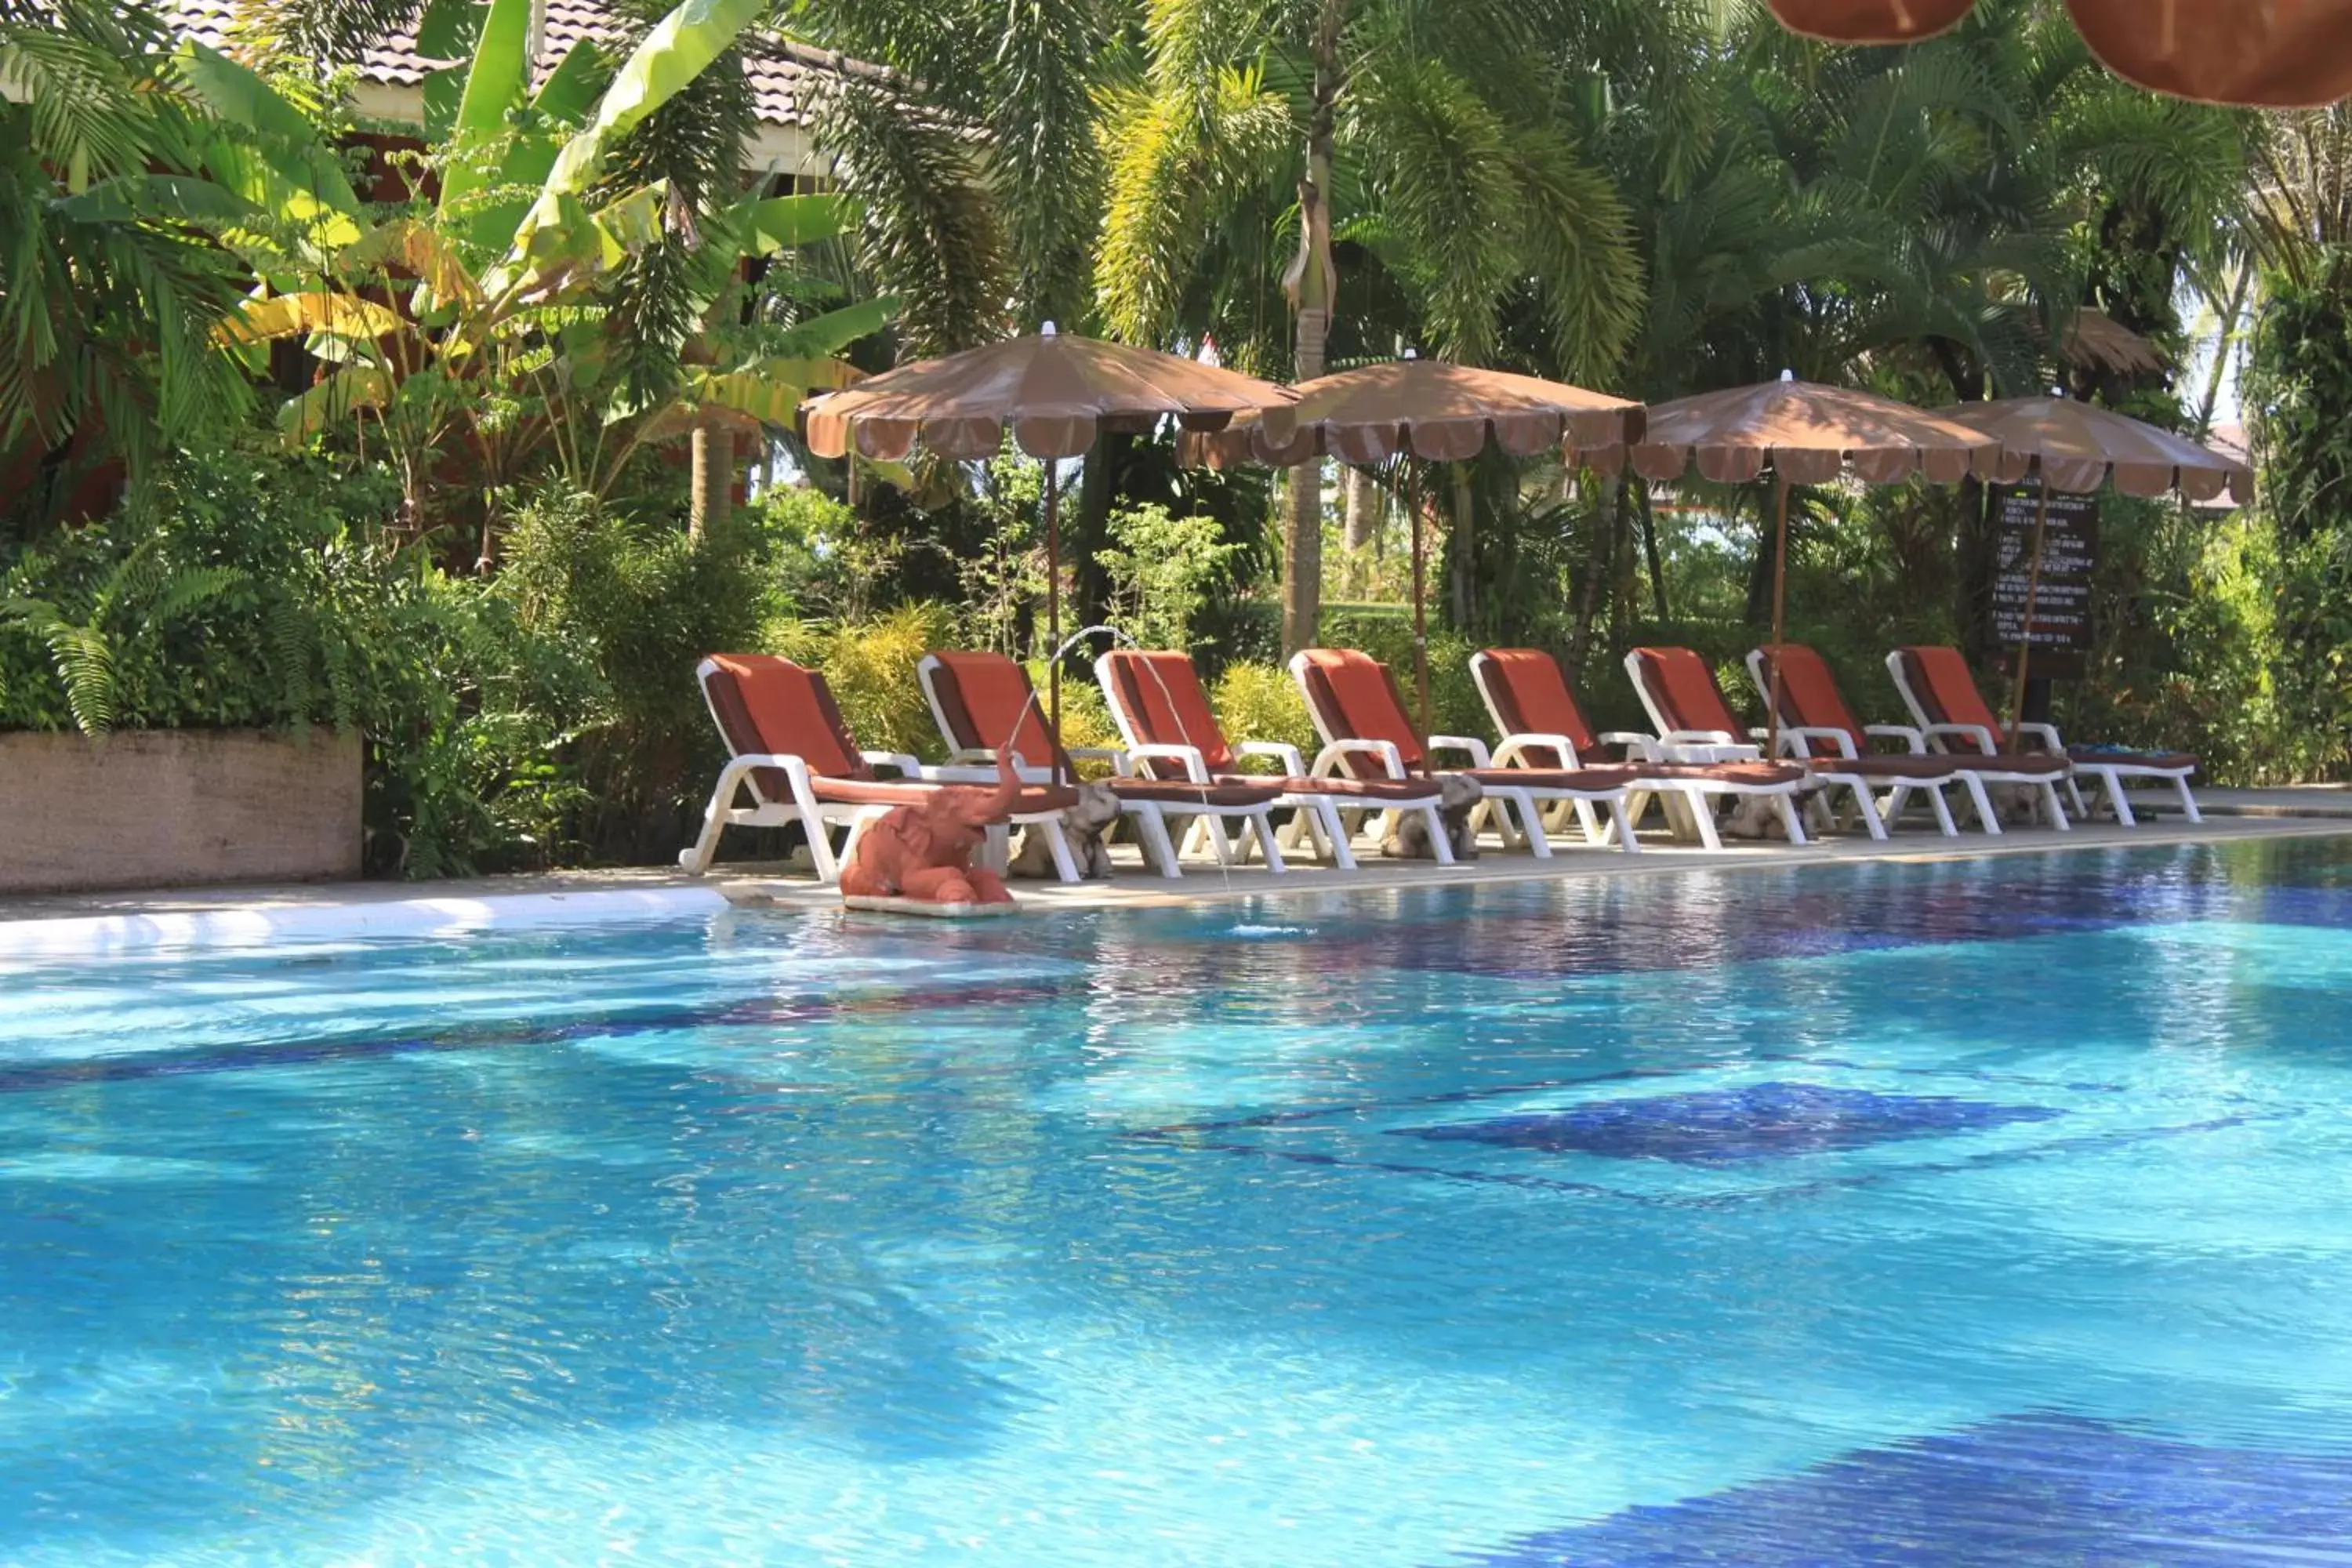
x,y
1261,703
1165,571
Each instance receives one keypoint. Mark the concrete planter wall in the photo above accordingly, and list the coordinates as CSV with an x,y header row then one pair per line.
x,y
176,807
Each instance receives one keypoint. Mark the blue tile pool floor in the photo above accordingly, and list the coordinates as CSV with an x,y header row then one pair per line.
x,y
1968,1212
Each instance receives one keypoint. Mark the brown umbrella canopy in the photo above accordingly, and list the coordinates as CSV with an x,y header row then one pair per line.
x,y
1056,391
2080,445
2267,53
1808,433
1435,411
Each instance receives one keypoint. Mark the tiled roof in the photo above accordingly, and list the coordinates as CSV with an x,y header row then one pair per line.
x,y
784,77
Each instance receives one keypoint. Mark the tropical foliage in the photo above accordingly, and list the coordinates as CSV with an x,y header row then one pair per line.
x,y
435,432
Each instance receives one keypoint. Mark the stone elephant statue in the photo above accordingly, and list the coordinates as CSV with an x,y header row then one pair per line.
x,y
923,851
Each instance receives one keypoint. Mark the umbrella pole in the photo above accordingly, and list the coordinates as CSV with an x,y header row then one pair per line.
x,y
1779,612
2025,636
1053,612
1419,595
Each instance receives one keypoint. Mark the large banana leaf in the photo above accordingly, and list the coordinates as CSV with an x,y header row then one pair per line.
x,y
496,82
285,315
771,390
333,400
570,90
289,144
419,250
680,49
781,223
836,329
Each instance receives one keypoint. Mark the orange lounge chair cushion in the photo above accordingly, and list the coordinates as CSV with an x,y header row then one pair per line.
x,y
913,792
1531,698
1891,766
1682,684
1810,697
1180,793
766,704
989,704
1161,696
1940,679
1374,792
1358,699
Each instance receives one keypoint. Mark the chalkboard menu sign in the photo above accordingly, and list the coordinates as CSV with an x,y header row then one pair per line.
x,y
2062,604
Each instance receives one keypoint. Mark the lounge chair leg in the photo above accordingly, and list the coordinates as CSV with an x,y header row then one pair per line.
x,y
1335,833
2124,817
1869,810
697,857
2187,801
1587,821
1057,845
1792,819
1151,833
1943,812
1261,823
1621,817
2081,806
1986,818
2057,812
1702,810
1439,844
1524,807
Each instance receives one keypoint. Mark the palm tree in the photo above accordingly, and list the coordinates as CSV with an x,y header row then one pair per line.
x,y
109,286
1443,162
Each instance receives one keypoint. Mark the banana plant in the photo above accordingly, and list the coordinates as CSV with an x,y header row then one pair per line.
x,y
467,329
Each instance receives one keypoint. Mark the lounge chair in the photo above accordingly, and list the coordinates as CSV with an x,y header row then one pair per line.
x,y
1695,720
1814,709
1942,696
1543,726
985,705
794,754
1171,730
1360,715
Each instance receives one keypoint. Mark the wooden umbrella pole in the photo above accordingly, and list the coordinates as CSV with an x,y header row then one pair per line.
x,y
1054,615
1779,612
1419,595
2025,636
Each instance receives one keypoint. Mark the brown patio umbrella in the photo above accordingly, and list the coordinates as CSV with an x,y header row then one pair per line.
x,y
1057,392
2265,53
1438,413
2078,446
1807,435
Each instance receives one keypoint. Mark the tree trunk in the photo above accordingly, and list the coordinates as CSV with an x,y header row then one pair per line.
x,y
714,481
1363,507
1650,552
1462,547
1088,530
2232,308
1312,283
1596,569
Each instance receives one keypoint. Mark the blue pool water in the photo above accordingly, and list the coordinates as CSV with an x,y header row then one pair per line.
x,y
1961,1213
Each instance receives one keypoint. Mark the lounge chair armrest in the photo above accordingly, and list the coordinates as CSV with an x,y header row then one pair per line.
x,y
1110,754
1912,740
907,766
1708,751
1196,770
1516,747
1840,743
1638,746
1470,745
1699,738
1283,751
981,773
1327,761
1976,735
2045,734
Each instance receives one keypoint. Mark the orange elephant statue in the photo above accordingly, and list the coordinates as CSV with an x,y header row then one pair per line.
x,y
917,858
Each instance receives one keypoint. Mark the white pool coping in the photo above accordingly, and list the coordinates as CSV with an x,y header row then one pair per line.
x,y
267,925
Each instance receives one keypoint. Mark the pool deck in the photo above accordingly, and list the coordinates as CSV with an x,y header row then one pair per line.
x,y
95,922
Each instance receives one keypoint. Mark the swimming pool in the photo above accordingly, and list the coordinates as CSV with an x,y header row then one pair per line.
x,y
1968,1212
